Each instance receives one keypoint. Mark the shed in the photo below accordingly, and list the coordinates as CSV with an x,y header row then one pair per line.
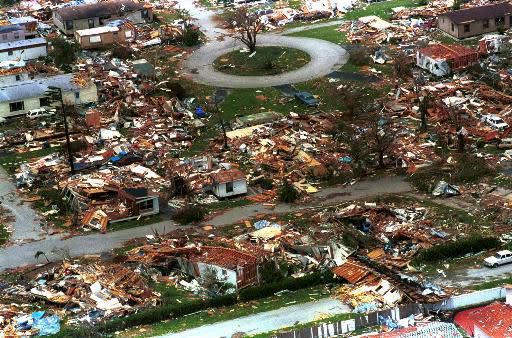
x,y
230,182
441,59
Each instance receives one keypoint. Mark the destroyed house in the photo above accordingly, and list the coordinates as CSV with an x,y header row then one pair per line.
x,y
114,205
232,266
228,182
19,97
72,18
443,59
10,33
476,21
23,49
116,32
28,23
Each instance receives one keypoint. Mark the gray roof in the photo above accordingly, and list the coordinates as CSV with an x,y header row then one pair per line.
x,y
22,43
99,9
36,88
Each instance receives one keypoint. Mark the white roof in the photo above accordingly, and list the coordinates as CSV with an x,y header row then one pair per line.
x,y
504,252
97,30
22,43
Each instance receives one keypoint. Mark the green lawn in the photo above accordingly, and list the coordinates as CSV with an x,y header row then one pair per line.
x,y
266,61
380,9
493,284
12,161
329,33
4,235
227,313
135,223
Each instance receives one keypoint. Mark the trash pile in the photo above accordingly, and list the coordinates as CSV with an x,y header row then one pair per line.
x,y
81,293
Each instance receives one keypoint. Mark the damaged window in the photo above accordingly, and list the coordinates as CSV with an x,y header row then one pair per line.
x,y
17,106
146,205
69,24
466,28
486,23
229,187
499,21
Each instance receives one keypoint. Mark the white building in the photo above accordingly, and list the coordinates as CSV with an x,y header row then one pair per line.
x,y
23,49
227,183
19,97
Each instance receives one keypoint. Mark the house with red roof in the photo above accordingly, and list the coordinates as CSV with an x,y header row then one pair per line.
x,y
490,321
231,266
441,59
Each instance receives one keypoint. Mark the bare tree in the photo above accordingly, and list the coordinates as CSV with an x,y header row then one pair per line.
x,y
425,104
353,97
457,120
357,146
402,67
380,136
247,25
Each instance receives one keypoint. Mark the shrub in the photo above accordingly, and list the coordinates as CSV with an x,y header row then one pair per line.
x,y
122,52
191,37
467,169
189,214
463,246
266,184
359,56
287,193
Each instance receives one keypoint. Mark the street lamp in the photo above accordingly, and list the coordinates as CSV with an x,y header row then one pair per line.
x,y
55,94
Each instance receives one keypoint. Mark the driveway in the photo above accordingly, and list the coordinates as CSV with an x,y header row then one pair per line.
x,y
95,243
26,221
267,321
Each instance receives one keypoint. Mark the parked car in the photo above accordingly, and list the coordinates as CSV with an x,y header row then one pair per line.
x,y
308,99
500,258
495,122
40,112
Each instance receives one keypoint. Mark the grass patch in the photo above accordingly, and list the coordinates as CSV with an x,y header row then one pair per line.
x,y
4,235
266,61
493,284
134,223
230,312
226,204
380,9
11,162
329,33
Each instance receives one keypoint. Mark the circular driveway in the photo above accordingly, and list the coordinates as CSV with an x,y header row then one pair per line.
x,y
326,57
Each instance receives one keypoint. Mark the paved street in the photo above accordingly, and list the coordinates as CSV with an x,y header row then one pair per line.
x,y
18,255
26,225
266,321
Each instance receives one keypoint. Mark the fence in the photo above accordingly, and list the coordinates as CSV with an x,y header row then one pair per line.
x,y
469,299
327,330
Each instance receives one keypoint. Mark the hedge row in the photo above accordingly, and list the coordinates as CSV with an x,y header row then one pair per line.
x,y
166,311
292,284
461,247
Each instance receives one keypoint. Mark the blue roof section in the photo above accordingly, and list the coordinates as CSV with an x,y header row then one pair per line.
x,y
23,19
10,28
36,88
21,43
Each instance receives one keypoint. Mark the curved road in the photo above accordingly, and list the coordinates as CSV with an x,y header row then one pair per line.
x,y
326,57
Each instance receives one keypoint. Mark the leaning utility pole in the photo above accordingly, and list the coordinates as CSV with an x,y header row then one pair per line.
x,y
57,90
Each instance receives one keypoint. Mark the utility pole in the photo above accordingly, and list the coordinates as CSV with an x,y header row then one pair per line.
x,y
58,91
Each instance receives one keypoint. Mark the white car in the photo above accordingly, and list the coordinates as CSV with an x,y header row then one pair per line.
x,y
39,112
500,258
495,122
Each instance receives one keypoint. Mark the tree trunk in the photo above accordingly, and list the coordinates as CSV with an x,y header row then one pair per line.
x,y
460,143
381,159
423,117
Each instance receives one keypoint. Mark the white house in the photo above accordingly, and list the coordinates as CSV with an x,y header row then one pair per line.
x,y
19,97
23,49
227,183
